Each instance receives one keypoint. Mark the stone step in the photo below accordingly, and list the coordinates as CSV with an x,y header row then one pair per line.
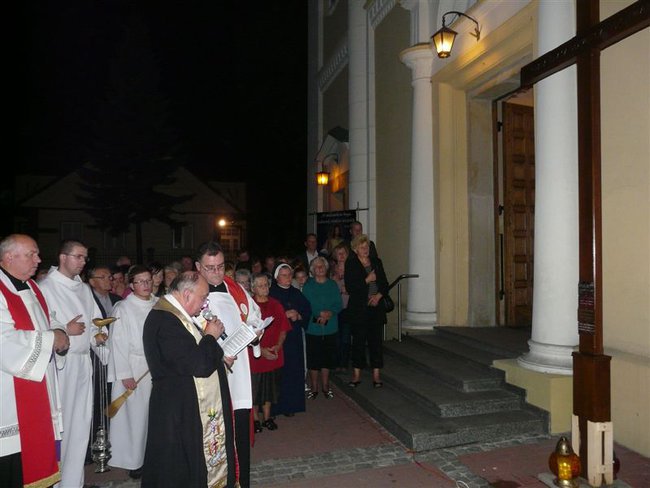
x,y
419,429
450,345
502,342
445,366
440,399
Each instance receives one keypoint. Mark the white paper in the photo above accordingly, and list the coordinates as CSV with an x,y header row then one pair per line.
x,y
238,340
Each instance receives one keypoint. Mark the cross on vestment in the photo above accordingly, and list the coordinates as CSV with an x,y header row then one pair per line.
x,y
591,368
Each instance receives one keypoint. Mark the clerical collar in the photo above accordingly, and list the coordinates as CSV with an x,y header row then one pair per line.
x,y
19,284
218,288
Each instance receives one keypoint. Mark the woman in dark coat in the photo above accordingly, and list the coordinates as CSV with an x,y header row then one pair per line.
x,y
366,283
298,311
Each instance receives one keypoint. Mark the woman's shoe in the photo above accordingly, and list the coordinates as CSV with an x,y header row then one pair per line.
x,y
270,424
354,384
329,394
377,384
258,427
311,395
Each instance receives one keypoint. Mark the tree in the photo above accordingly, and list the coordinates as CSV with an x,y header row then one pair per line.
x,y
133,148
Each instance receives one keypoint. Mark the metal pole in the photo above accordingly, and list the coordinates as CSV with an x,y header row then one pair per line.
x,y
399,312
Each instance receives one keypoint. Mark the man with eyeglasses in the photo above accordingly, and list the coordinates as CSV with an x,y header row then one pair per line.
x,y
100,280
230,302
71,302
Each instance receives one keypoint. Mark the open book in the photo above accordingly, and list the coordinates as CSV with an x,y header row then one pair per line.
x,y
242,337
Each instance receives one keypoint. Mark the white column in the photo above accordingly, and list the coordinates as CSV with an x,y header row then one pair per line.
x,y
358,108
555,293
421,306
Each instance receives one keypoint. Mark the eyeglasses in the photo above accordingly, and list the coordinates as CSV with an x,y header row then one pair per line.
x,y
78,256
109,277
213,269
143,282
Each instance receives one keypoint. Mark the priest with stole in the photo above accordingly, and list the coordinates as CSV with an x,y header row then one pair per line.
x,y
190,432
30,410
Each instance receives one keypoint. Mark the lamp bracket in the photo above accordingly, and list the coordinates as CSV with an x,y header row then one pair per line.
x,y
477,30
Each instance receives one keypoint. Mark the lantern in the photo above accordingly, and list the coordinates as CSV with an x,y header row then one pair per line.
x,y
565,464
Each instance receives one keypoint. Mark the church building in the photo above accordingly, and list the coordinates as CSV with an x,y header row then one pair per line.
x,y
465,176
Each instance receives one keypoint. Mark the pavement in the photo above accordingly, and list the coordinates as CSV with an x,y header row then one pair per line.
x,y
335,443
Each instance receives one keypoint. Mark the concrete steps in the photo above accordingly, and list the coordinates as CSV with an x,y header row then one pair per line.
x,y
441,392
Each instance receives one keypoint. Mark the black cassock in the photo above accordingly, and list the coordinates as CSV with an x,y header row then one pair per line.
x,y
174,453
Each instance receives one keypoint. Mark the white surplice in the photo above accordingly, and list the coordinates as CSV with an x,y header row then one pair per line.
x,y
24,354
68,298
128,433
223,305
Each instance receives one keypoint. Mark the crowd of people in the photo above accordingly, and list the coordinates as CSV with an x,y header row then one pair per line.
x,y
181,408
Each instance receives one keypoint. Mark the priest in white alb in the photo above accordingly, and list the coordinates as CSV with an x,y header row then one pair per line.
x,y
30,410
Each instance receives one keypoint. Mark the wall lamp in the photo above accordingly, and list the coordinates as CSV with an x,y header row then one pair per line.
x,y
323,176
443,40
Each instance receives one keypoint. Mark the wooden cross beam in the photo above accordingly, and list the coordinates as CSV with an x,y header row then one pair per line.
x,y
591,368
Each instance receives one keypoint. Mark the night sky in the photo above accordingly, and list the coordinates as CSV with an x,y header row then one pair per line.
x,y
234,73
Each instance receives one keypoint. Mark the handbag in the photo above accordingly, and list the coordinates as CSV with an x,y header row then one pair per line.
x,y
389,304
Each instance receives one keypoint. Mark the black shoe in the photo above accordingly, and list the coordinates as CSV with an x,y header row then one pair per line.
x,y
136,474
377,384
354,384
270,424
258,427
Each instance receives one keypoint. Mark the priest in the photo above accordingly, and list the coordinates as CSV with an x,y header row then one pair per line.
x,y
190,433
30,411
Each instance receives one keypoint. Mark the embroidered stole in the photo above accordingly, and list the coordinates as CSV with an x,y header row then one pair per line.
x,y
37,443
210,410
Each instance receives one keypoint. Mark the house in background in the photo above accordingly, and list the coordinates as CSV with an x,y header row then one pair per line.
x,y
51,213
473,186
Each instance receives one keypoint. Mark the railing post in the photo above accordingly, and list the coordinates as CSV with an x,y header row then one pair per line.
x,y
399,312
399,302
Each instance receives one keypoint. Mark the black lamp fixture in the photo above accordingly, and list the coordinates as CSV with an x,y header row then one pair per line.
x,y
443,40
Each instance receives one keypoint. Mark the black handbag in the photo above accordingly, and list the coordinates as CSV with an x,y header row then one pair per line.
x,y
389,304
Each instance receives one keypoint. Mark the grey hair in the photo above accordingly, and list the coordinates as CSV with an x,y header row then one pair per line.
x,y
256,276
8,244
187,280
243,272
319,259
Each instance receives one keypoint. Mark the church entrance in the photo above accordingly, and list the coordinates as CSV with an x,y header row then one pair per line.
x,y
517,212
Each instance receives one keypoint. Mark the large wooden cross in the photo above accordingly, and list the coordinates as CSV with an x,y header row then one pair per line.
x,y
591,368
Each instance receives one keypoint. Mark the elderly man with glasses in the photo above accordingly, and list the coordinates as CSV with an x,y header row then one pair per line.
x,y
100,280
71,302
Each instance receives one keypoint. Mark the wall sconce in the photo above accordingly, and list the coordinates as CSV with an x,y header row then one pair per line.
x,y
443,40
565,464
322,178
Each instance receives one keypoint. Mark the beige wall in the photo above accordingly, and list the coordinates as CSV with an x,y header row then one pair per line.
x,y
625,125
480,186
393,135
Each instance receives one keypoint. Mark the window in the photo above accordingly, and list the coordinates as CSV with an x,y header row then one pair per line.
x,y
230,238
182,236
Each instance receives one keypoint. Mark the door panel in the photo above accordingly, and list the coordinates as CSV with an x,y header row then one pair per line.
x,y
519,212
